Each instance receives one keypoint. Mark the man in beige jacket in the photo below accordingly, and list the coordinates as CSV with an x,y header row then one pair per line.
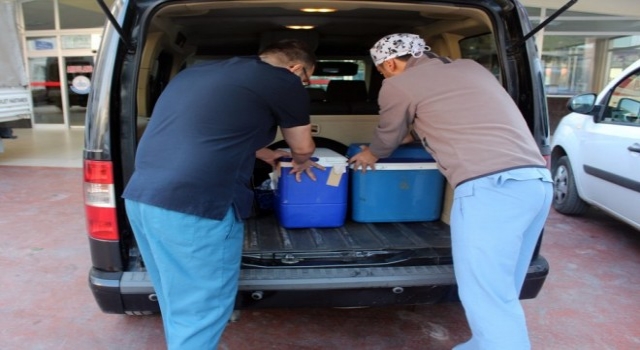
x,y
503,190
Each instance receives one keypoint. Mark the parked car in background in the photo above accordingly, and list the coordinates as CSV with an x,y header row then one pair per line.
x,y
596,151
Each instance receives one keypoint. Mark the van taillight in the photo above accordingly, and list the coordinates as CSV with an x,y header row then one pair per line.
x,y
100,201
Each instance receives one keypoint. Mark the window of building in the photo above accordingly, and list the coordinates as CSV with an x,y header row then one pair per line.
x,y
582,51
75,14
623,52
38,15
533,11
72,42
567,63
41,43
61,37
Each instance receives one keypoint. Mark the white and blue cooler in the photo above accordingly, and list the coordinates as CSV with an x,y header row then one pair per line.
x,y
320,203
406,186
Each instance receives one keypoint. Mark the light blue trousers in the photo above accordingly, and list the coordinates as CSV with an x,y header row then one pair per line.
x,y
194,265
495,224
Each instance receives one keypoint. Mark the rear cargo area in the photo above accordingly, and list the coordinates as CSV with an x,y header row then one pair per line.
x,y
303,223
268,244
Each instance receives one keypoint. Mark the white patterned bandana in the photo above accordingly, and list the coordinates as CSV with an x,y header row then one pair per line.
x,y
396,45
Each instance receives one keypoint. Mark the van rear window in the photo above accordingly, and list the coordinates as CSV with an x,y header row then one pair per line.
x,y
482,49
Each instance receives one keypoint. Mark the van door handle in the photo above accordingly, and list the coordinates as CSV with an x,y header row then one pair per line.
x,y
634,148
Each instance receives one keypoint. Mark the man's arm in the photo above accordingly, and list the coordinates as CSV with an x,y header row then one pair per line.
x,y
396,117
393,128
300,142
302,146
270,156
363,160
366,159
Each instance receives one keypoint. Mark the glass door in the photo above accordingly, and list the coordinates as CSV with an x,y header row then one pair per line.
x,y
62,38
78,84
45,91
60,99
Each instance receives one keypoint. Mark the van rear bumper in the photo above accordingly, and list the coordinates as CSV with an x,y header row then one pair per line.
x,y
132,292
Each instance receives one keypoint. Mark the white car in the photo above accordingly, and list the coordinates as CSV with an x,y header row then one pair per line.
x,y
595,156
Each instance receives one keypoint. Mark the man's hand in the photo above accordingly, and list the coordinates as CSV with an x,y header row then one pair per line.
x,y
305,167
270,156
364,159
302,146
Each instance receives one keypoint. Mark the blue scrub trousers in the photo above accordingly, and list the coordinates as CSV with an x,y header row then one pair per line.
x,y
496,221
193,263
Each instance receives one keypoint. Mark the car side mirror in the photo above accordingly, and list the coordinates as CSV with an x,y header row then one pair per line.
x,y
583,103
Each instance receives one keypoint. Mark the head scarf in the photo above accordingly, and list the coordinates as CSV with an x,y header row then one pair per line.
x,y
396,45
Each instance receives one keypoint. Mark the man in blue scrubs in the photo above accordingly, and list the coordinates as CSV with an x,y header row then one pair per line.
x,y
190,189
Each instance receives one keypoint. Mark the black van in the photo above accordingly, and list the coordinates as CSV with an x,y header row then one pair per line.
x,y
147,42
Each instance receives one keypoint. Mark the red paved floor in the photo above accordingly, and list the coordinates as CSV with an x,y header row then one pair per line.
x,y
591,299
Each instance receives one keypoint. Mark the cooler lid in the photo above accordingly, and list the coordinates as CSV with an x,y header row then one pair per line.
x,y
322,156
402,166
408,153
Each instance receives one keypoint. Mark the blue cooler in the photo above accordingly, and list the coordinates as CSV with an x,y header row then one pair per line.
x,y
320,203
406,186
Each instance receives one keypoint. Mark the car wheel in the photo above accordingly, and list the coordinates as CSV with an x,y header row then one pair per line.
x,y
565,195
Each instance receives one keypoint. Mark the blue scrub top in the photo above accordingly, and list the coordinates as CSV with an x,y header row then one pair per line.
x,y
197,153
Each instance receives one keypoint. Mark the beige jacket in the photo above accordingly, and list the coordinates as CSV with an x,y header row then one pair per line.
x,y
463,116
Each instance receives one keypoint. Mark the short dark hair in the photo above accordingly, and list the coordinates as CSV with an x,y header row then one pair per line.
x,y
294,50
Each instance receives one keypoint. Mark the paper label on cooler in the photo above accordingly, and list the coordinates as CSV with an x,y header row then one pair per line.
x,y
336,175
